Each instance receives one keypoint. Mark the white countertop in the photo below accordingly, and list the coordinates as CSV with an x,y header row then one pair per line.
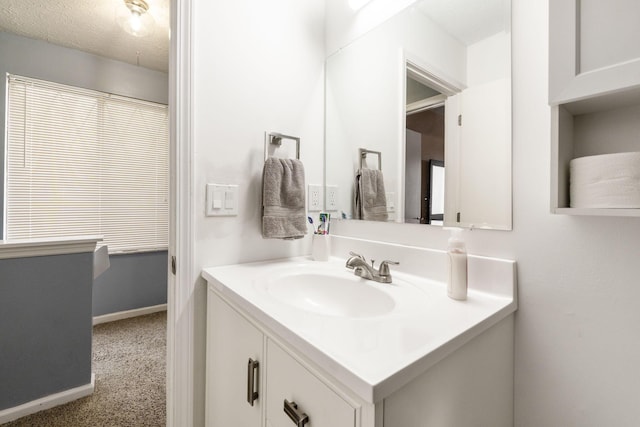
x,y
375,356
47,246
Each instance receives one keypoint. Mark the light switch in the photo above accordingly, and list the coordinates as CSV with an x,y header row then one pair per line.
x,y
221,200
217,199
229,199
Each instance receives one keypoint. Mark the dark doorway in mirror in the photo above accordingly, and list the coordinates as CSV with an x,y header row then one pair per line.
x,y
424,191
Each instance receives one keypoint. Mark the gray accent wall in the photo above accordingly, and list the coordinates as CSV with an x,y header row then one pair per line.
x,y
45,326
134,280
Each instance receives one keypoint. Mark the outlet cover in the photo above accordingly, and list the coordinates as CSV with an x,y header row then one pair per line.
x,y
315,198
391,202
332,197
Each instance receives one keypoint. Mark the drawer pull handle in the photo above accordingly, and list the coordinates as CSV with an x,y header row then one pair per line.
x,y
252,380
298,417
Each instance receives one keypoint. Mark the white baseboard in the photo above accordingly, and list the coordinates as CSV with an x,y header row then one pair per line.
x,y
47,402
112,317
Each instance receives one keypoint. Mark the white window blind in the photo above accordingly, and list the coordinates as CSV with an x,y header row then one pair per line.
x,y
81,162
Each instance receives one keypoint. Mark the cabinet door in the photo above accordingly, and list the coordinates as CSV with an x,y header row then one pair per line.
x,y
288,379
231,342
594,49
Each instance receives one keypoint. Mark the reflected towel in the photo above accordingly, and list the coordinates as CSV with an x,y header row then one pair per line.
x,y
370,197
283,197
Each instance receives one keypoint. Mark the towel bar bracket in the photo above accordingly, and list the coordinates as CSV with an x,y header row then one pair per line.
x,y
363,157
276,138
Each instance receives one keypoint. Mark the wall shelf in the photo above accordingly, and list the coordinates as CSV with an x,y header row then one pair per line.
x,y
595,109
592,133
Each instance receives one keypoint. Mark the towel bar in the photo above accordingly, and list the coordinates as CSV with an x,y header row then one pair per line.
x,y
276,138
363,156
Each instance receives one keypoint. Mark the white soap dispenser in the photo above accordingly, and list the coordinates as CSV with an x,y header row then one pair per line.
x,y
457,256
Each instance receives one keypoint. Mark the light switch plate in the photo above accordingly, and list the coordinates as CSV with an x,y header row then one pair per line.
x,y
221,200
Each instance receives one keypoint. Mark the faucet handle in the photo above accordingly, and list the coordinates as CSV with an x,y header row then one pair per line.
x,y
384,267
354,256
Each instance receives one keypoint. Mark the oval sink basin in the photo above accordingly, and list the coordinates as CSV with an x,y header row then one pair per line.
x,y
330,294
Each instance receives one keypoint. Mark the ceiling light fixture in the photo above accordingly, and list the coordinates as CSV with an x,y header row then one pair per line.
x,y
134,18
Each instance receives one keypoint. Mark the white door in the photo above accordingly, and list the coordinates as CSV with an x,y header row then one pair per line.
x,y
485,156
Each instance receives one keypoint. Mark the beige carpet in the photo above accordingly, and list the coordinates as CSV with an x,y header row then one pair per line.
x,y
129,364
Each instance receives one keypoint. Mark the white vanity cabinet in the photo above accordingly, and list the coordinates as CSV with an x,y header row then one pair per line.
x,y
234,345
235,351
430,362
288,380
594,89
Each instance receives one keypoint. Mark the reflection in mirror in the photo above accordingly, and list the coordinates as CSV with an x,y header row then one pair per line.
x,y
370,196
424,148
431,84
435,212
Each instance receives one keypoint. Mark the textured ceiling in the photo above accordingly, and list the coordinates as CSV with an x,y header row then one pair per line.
x,y
90,26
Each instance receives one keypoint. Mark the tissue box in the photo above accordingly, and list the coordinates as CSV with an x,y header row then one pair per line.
x,y
605,181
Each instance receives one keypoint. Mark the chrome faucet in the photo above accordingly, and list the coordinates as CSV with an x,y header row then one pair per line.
x,y
359,265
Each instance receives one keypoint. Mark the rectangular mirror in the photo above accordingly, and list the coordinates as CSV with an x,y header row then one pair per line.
x,y
429,89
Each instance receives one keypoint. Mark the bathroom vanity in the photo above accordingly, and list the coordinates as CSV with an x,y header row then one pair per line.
x,y
297,342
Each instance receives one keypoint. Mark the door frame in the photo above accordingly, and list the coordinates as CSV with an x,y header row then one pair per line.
x,y
182,278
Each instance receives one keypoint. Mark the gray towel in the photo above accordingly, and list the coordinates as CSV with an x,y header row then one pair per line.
x,y
370,197
283,196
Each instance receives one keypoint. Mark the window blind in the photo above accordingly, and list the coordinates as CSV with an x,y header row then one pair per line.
x,y
83,162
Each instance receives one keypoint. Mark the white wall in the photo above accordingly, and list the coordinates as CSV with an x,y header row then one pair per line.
x,y
343,24
578,325
258,66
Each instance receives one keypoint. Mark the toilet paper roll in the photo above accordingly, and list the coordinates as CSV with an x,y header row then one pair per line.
x,y
605,181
